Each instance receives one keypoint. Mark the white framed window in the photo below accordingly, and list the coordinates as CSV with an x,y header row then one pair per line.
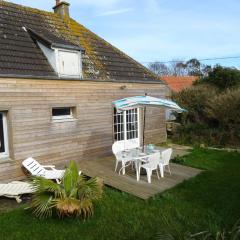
x,y
132,123
119,125
127,127
62,113
4,149
69,63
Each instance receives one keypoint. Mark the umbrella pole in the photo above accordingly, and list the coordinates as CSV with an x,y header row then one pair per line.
x,y
144,124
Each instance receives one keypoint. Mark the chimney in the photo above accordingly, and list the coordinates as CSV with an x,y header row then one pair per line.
x,y
62,9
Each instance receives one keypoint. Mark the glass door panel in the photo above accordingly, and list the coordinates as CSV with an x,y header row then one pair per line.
x,y
126,127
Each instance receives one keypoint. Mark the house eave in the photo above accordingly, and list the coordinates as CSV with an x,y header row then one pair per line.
x,y
16,76
68,47
49,44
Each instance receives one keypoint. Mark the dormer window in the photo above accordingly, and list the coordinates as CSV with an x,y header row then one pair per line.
x,y
69,63
64,57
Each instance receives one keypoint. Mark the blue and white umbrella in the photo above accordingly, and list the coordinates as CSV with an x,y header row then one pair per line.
x,y
143,101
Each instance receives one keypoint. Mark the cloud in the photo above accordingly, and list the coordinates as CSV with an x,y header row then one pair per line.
x,y
102,4
115,12
96,3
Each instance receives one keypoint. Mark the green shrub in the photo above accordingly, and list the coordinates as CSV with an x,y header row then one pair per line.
x,y
179,160
222,78
213,117
197,134
195,100
225,108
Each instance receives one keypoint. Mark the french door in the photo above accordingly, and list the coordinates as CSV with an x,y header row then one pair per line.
x,y
127,127
3,135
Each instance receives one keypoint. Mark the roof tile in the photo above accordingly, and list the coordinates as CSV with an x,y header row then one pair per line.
x,y
178,83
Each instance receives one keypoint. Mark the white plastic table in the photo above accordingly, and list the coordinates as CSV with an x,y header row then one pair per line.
x,y
139,157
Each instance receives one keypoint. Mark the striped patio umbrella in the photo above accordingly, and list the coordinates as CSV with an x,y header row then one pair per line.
x,y
143,102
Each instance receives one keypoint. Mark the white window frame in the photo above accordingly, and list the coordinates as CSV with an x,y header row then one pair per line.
x,y
62,118
79,75
128,143
5,136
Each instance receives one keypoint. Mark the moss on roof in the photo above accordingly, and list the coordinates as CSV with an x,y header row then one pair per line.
x,y
101,60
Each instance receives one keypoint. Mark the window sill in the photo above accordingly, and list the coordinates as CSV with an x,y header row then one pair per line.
x,y
77,77
6,159
62,120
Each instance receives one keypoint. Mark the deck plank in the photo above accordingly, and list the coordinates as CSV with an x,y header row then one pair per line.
x,y
104,168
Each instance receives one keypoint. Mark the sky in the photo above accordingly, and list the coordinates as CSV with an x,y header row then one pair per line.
x,y
162,30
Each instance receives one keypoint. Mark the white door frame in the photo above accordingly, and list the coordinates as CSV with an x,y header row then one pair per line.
x,y
5,136
134,142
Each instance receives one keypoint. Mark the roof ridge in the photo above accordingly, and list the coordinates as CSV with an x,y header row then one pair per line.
x,y
35,10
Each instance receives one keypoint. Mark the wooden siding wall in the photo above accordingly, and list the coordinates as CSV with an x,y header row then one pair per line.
x,y
32,132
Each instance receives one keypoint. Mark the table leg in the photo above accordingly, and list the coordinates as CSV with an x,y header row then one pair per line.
x,y
123,168
137,170
161,170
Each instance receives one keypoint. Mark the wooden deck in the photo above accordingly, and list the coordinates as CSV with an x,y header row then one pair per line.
x,y
104,168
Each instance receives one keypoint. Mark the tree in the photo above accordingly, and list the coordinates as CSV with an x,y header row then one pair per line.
x,y
174,68
193,67
222,77
159,69
206,69
177,68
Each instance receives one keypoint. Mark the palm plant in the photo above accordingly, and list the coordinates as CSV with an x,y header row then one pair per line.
x,y
74,196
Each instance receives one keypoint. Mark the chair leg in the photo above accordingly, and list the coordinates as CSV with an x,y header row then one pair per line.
x,y
18,199
116,166
157,173
169,170
149,175
138,170
161,170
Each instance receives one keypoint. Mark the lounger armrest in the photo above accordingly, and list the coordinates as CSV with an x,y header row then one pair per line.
x,y
48,166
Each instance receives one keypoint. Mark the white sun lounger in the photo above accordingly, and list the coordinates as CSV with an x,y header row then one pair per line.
x,y
46,171
15,190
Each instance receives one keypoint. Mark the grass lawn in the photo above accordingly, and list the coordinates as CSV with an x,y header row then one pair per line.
x,y
211,201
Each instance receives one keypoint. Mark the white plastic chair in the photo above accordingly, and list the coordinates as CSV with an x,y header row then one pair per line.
x,y
46,171
153,163
164,161
117,149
